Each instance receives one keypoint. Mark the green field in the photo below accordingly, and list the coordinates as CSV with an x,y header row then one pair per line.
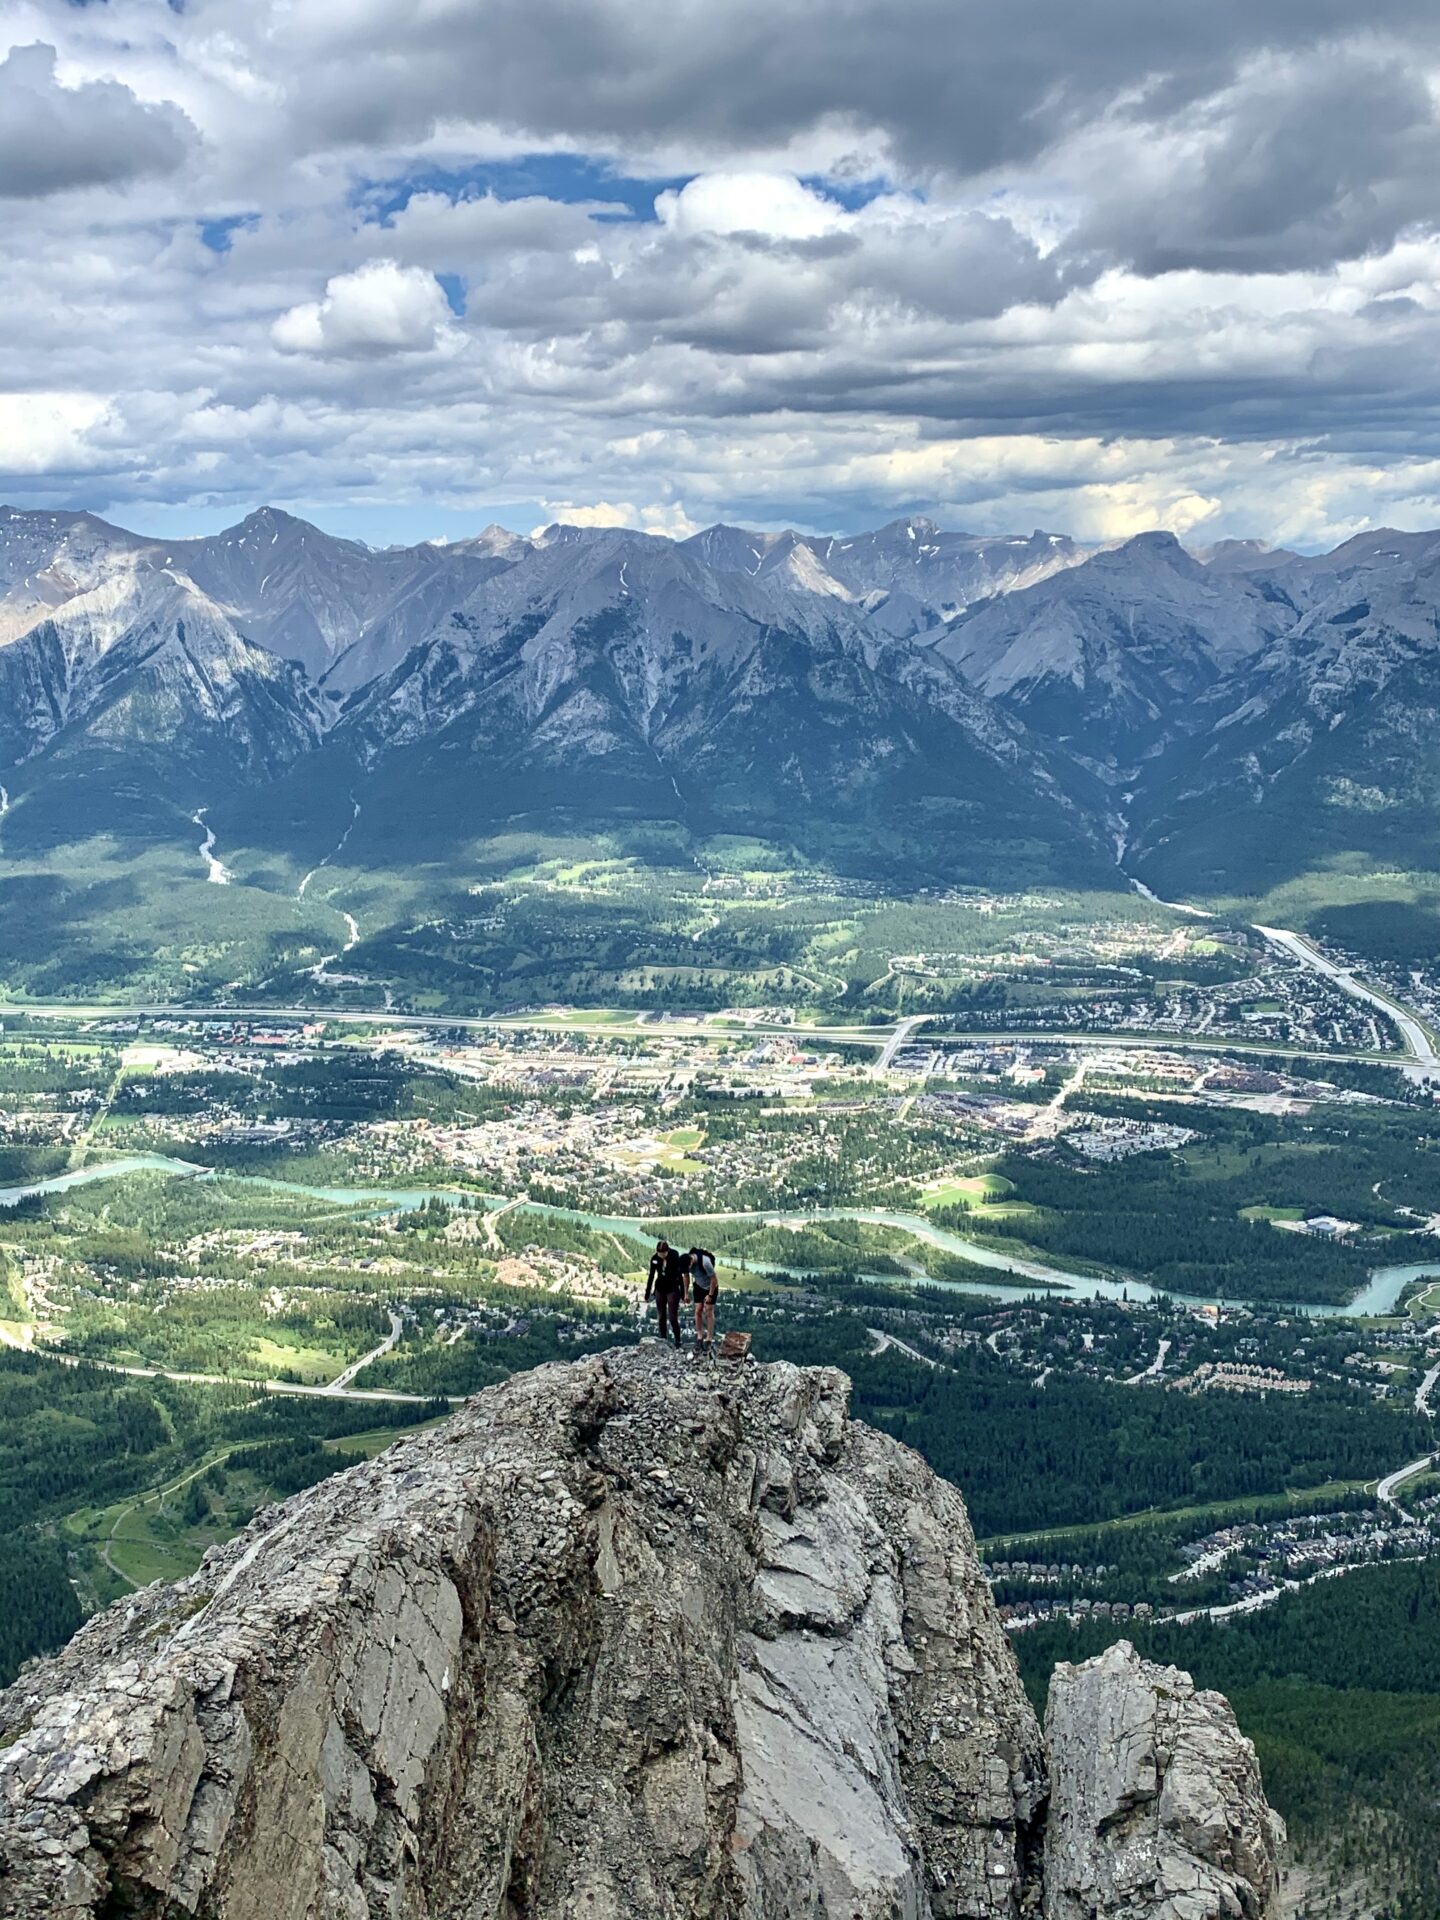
x,y
376,1439
311,1365
1206,1515
156,1538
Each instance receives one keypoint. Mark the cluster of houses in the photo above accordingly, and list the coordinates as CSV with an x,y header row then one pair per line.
x,y
1231,1376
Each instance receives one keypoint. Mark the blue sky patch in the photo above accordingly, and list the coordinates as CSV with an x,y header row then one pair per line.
x,y
216,233
851,194
552,176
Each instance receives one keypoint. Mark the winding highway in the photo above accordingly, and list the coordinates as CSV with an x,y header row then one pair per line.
x,y
1390,1486
880,1342
343,1380
337,1389
902,1033
1418,1042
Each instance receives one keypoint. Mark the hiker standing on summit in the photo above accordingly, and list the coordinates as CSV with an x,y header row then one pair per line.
x,y
704,1291
667,1284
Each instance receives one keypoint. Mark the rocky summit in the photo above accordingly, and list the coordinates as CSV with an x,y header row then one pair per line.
x,y
631,1637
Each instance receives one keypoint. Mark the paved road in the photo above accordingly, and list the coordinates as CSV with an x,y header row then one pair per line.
x,y
91,1127
1417,1041
343,1380
1391,1484
902,1033
1425,1389
489,1222
1155,1368
1257,1602
333,1390
668,1029
1050,1120
882,1037
880,1341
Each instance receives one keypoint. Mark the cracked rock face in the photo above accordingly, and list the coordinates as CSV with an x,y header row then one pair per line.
x,y
1156,1809
623,1638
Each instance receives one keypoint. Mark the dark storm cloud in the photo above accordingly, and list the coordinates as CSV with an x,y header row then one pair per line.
x,y
957,87
1323,159
98,134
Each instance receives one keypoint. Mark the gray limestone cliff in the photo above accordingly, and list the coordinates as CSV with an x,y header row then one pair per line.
x,y
1157,1812
625,1638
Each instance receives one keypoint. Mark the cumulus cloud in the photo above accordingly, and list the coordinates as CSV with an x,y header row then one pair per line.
x,y
42,433
760,265
777,260
776,205
97,133
380,309
436,231
669,517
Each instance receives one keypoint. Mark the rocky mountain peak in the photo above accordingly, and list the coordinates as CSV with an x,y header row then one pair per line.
x,y
730,549
1156,1804
1378,547
1243,556
624,1637
912,527
1156,547
270,526
491,540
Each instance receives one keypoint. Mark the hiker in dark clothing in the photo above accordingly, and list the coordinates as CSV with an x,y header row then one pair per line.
x,y
667,1284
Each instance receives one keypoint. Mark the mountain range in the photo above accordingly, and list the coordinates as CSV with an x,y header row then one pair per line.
x,y
1217,721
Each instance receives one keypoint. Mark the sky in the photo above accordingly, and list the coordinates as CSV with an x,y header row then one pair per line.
x,y
408,269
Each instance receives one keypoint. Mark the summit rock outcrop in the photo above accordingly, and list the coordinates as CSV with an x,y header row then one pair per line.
x,y
623,1638
1157,1811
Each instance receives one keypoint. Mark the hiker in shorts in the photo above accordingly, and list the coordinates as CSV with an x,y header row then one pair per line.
x,y
667,1286
704,1290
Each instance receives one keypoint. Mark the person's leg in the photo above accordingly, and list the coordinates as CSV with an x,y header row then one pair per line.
x,y
710,1315
674,1303
660,1314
